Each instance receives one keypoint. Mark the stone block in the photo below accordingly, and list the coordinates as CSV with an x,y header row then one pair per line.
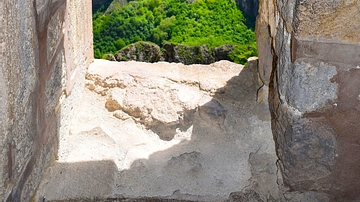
x,y
313,93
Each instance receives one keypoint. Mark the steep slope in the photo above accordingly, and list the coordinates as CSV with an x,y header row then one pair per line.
x,y
208,22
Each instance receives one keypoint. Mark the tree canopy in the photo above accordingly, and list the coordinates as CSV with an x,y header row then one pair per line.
x,y
189,22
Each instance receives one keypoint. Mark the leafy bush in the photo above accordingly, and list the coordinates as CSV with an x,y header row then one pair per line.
x,y
242,52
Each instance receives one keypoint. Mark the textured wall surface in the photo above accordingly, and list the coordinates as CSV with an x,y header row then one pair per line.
x,y
44,47
309,57
249,7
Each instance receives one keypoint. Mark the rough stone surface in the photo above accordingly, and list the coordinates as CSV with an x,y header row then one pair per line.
x,y
179,53
195,54
109,57
309,58
186,54
139,51
223,52
42,55
249,9
172,131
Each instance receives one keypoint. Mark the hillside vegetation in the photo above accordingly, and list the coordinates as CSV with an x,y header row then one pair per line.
x,y
190,22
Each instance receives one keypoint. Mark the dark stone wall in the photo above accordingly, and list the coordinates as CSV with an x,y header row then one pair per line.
x,y
311,60
250,10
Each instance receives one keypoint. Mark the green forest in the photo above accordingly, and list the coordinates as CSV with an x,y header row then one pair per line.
x,y
189,22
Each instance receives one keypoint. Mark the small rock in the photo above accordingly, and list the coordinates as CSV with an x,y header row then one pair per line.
x,y
112,105
121,115
109,57
139,51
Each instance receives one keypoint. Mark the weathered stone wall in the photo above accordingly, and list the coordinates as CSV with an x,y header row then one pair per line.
x,y
45,47
309,57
